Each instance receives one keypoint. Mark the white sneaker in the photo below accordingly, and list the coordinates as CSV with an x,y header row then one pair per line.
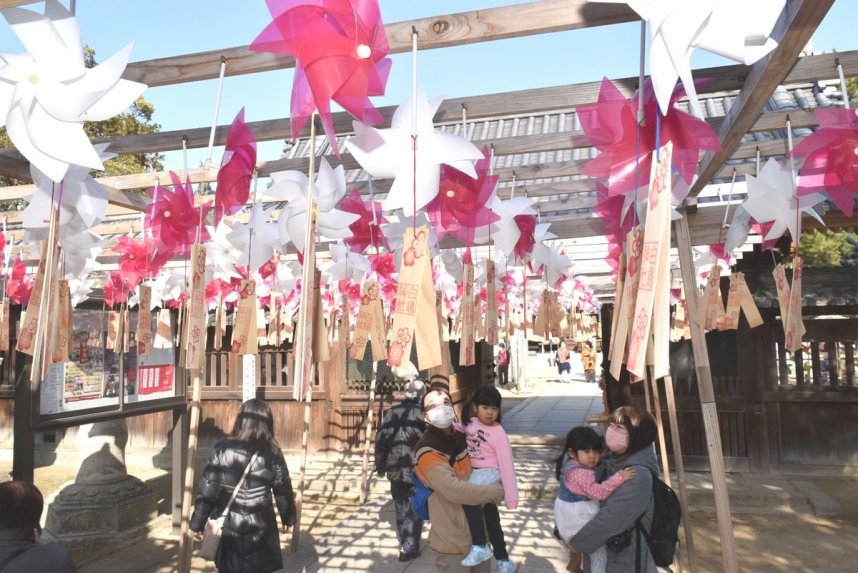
x,y
506,566
477,555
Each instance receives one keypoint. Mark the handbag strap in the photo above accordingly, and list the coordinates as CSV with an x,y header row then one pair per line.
x,y
240,483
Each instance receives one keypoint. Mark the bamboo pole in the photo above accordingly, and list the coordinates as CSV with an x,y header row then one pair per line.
x,y
680,473
707,402
662,442
186,545
364,471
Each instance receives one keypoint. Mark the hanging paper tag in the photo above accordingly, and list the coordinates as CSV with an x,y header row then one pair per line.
x,y
749,307
795,327
491,304
653,286
220,323
112,330
369,325
415,294
782,286
4,325
197,317
272,332
30,320
443,326
321,348
248,377
634,242
467,342
144,321
618,298
244,325
164,330
710,310
731,320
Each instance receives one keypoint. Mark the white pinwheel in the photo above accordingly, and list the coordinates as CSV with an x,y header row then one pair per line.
x,y
771,197
387,153
83,201
257,240
541,252
79,253
735,29
505,233
329,188
347,264
221,255
48,92
453,264
80,290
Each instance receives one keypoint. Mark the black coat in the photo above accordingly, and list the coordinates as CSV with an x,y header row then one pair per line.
x,y
394,444
251,538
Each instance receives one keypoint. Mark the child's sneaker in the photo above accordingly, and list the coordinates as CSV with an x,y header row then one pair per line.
x,y
477,555
506,566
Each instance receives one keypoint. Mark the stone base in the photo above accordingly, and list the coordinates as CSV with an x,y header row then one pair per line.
x,y
100,510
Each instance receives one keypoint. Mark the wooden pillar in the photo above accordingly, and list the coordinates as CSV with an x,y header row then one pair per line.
x,y
186,545
180,460
707,402
24,439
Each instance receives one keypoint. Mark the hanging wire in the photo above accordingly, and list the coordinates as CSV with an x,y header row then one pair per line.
x,y
512,188
641,74
727,210
216,111
414,126
185,153
843,88
250,224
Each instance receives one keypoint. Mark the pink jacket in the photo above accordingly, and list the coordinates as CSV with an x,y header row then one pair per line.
x,y
488,447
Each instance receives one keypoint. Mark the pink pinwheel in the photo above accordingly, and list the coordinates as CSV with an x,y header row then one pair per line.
x,y
340,49
524,246
236,169
116,288
174,220
20,284
141,260
830,163
460,207
614,226
366,230
610,125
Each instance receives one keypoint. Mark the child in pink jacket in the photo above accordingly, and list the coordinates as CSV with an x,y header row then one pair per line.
x,y
491,459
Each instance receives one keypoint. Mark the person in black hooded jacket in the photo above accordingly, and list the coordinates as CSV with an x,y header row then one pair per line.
x,y
250,540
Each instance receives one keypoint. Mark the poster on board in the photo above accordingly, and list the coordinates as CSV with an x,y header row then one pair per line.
x,y
149,376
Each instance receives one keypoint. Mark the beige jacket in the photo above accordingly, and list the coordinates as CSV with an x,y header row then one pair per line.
x,y
448,532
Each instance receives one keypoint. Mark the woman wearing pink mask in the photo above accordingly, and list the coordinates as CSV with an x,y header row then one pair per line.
x,y
629,438
443,464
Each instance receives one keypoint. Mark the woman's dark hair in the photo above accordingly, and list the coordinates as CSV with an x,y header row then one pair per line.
x,y
578,439
640,425
483,396
254,425
21,506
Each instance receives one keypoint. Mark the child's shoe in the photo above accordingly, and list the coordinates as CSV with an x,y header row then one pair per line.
x,y
477,555
506,566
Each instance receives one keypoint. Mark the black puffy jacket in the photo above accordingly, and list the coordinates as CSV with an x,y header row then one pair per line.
x,y
394,444
251,538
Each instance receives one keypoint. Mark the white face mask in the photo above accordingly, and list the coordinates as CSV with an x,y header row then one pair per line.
x,y
441,416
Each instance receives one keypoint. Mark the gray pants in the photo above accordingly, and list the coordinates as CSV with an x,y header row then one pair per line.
x,y
409,527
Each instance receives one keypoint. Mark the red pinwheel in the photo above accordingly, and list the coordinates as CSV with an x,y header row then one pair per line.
x,y
236,169
20,284
460,208
524,246
172,217
139,261
340,49
116,288
611,127
609,210
830,163
366,231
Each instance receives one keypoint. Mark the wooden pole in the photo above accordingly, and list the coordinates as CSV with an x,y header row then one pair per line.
x,y
662,442
707,401
186,545
680,473
302,474
364,473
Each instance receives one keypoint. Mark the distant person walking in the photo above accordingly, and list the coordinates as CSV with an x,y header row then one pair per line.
x,y
21,505
563,366
251,540
588,360
397,435
503,365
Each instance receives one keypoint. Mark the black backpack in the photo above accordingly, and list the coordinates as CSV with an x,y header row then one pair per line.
x,y
663,536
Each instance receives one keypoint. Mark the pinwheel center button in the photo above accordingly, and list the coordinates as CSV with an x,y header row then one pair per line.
x,y
451,193
166,214
33,78
855,150
363,51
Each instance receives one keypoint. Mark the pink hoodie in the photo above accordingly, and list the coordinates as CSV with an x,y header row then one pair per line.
x,y
488,447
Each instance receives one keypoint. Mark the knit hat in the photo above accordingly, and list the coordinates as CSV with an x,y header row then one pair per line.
x,y
414,390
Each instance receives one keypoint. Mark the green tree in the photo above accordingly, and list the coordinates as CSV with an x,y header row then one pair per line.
x,y
825,248
137,119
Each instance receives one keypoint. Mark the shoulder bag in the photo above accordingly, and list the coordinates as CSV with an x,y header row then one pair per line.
x,y
214,527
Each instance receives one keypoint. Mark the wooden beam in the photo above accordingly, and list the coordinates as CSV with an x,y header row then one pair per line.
x,y
433,32
792,31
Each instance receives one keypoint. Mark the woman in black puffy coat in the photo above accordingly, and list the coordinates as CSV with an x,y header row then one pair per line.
x,y
251,540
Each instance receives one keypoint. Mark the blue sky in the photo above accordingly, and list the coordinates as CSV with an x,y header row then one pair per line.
x,y
162,28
